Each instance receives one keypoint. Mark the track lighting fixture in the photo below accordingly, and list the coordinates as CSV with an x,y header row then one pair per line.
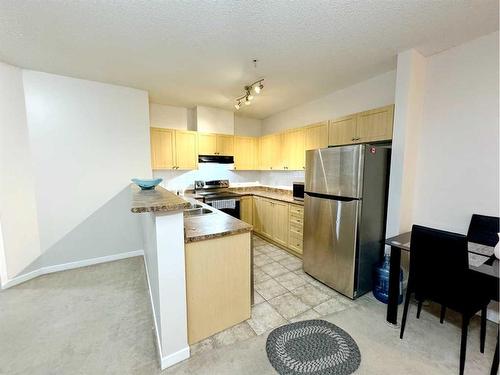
x,y
256,87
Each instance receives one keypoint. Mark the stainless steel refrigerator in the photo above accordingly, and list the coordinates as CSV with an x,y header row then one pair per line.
x,y
345,200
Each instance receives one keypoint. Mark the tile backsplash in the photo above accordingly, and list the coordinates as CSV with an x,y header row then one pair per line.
x,y
182,180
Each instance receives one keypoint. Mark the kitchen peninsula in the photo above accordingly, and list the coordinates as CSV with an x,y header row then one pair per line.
x,y
197,259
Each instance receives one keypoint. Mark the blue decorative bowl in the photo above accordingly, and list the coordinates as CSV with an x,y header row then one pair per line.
x,y
147,184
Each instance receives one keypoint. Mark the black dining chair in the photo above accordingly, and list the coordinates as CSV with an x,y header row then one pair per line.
x,y
484,230
439,272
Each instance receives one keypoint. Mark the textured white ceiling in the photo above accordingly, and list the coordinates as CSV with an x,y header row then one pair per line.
x,y
199,52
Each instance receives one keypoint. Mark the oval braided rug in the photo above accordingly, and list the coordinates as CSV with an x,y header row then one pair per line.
x,y
312,347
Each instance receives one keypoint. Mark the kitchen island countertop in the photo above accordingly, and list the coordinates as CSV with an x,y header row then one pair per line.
x,y
214,225
156,200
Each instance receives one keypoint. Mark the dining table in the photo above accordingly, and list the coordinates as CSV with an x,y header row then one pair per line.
x,y
481,260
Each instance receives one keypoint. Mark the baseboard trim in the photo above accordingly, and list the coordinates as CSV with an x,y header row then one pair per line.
x,y
69,266
174,358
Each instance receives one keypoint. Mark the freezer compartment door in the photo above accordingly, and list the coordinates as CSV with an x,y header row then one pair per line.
x,y
329,253
335,171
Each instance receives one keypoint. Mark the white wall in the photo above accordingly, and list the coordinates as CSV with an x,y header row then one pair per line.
x,y
214,120
458,160
247,126
410,83
372,93
167,116
19,240
87,140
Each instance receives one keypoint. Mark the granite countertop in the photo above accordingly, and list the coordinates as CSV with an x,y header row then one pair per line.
x,y
214,225
156,200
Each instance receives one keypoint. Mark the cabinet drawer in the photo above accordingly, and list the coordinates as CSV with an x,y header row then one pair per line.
x,y
296,220
295,240
296,227
296,210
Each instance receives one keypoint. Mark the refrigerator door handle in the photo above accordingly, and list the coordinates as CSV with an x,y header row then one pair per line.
x,y
331,197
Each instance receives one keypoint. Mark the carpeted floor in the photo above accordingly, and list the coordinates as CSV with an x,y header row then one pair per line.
x,y
97,320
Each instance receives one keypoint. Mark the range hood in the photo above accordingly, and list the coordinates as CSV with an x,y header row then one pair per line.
x,y
216,159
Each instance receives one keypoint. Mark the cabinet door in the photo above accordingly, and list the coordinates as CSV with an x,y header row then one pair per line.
x,y
293,149
316,136
266,218
207,144
185,149
246,209
245,153
265,152
257,212
298,154
375,125
342,131
162,148
275,152
279,222
225,145
287,148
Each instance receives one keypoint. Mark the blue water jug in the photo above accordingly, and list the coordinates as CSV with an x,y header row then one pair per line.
x,y
381,281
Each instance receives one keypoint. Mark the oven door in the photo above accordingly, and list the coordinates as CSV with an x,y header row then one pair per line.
x,y
221,205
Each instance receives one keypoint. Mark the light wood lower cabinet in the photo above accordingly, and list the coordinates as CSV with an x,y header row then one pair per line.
x,y
296,227
246,209
217,284
278,221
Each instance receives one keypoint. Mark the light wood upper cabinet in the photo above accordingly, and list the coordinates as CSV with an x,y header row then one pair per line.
x,y
293,149
215,144
186,150
368,126
375,125
245,153
316,136
162,148
207,144
173,149
270,152
246,209
225,145
342,131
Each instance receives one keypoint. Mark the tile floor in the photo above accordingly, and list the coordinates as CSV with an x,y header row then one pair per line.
x,y
282,293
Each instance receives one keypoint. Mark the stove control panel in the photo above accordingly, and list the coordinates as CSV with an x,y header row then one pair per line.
x,y
214,184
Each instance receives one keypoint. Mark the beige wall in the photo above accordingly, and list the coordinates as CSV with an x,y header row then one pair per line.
x,y
167,116
372,93
19,238
458,161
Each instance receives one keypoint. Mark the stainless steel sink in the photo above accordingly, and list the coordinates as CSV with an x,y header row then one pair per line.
x,y
197,212
194,205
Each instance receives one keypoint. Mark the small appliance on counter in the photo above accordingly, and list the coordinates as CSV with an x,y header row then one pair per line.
x,y
298,191
215,193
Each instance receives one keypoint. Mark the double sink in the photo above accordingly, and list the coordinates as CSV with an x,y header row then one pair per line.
x,y
196,210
